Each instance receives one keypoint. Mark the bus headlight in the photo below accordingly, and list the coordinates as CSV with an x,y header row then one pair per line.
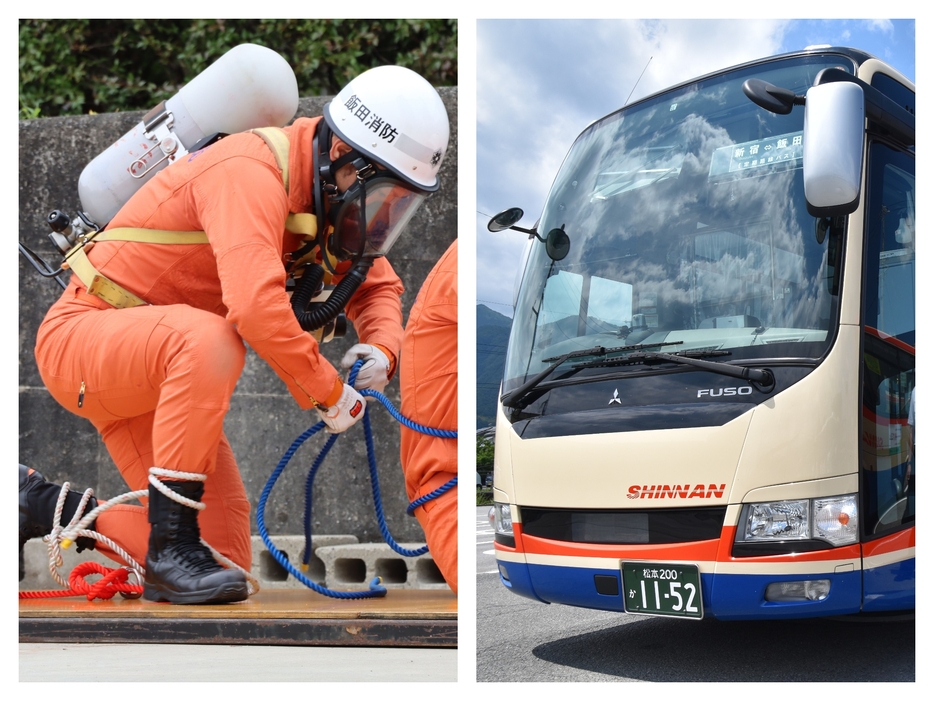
x,y
502,519
776,520
832,519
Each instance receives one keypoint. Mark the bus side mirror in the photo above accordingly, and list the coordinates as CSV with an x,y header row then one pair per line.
x,y
834,122
507,219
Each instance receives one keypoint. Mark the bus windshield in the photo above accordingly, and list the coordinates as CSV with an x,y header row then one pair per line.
x,y
687,224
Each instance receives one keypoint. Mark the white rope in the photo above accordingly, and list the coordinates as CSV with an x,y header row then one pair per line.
x,y
177,475
251,581
78,526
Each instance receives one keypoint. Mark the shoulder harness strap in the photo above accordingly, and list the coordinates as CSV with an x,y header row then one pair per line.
x,y
278,143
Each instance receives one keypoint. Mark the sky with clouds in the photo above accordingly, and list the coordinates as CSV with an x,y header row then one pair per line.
x,y
541,82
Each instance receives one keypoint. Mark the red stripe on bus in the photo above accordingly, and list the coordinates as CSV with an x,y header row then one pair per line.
x,y
704,550
890,543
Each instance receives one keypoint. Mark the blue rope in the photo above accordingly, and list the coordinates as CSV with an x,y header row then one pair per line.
x,y
408,423
376,589
306,555
425,498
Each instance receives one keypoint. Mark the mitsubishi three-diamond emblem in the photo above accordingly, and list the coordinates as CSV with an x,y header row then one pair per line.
x,y
615,399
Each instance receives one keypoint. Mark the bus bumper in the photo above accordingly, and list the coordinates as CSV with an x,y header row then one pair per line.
x,y
725,596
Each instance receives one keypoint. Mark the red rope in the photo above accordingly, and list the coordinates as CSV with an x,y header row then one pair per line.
x,y
113,581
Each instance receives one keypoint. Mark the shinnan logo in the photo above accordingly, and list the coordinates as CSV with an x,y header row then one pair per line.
x,y
676,491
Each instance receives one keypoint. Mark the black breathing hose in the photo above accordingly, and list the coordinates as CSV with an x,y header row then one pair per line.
x,y
334,304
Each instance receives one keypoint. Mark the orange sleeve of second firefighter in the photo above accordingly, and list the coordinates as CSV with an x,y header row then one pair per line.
x,y
428,375
428,379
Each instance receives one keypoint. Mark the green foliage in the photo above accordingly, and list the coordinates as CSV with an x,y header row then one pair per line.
x,y
484,467
484,455
80,66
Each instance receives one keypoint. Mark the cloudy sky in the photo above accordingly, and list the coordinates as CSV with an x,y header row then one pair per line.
x,y
541,82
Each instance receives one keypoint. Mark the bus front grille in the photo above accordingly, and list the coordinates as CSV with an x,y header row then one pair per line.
x,y
624,526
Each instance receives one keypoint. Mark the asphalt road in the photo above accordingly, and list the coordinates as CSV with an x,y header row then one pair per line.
x,y
522,640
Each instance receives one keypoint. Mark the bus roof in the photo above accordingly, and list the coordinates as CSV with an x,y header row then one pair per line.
x,y
856,55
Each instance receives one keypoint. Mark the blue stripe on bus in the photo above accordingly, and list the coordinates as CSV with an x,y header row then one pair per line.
x,y
518,580
742,596
725,596
890,587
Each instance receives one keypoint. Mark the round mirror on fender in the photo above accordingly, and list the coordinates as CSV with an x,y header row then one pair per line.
x,y
557,244
505,219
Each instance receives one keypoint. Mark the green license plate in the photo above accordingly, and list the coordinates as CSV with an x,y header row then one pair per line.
x,y
659,589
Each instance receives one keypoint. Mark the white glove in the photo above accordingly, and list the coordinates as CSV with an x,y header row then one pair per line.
x,y
345,412
374,373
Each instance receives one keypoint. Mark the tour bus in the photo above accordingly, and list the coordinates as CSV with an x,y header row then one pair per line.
x,y
707,407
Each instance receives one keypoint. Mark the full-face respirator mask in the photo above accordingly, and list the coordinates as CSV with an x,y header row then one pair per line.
x,y
357,226
369,217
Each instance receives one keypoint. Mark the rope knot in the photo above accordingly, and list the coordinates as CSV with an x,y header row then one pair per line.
x,y
112,582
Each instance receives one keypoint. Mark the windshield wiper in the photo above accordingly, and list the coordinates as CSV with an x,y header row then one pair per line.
x,y
511,399
761,377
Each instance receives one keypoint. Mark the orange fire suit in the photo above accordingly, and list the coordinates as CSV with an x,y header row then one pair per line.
x,y
156,380
428,384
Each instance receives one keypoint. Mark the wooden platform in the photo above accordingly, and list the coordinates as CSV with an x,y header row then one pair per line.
x,y
404,618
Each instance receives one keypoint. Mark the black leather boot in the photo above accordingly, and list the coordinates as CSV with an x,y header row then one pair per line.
x,y
37,500
180,569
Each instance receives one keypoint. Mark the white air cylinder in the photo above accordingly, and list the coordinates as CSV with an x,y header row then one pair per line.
x,y
250,86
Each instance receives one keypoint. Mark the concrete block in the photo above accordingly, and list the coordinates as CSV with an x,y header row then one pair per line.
x,y
272,575
338,562
352,567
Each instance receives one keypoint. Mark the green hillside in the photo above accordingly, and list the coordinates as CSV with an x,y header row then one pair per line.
x,y
492,336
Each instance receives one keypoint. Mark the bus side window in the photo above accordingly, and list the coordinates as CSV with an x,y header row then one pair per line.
x,y
888,340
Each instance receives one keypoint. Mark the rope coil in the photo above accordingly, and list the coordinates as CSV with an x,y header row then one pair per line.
x,y
113,581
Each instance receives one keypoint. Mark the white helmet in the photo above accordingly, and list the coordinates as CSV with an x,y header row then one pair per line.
x,y
394,116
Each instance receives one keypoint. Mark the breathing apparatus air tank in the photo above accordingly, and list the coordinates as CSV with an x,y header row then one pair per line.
x,y
250,86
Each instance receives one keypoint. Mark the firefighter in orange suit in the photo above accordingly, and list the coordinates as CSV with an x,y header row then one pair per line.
x,y
155,378
428,383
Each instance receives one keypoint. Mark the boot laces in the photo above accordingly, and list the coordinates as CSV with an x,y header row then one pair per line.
x,y
197,558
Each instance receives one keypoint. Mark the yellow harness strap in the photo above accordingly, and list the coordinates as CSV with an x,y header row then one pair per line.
x,y
115,295
109,291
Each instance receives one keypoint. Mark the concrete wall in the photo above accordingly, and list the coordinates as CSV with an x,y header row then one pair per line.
x,y
263,419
